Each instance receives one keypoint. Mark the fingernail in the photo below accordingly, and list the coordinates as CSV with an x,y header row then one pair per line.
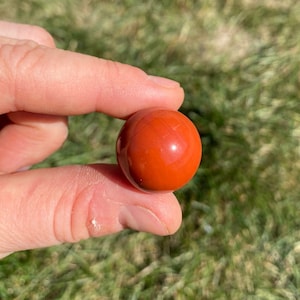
x,y
26,168
141,219
164,82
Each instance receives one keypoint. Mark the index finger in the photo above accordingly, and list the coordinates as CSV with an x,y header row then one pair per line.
x,y
46,80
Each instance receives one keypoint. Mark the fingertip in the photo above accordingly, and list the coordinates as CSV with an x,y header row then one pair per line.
x,y
136,90
169,212
170,93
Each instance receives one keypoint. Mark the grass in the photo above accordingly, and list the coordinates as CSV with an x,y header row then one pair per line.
x,y
238,62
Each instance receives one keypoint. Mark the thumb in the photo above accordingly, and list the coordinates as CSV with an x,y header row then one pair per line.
x,y
68,204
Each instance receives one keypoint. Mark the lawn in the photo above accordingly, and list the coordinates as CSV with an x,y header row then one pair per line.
x,y
239,62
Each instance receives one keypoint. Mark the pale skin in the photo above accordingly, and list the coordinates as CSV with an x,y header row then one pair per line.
x,y
40,86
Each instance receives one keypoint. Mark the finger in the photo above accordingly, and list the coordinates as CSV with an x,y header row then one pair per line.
x,y
26,32
68,204
52,81
29,138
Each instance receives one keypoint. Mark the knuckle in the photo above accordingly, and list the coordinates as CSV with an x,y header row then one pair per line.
x,y
16,62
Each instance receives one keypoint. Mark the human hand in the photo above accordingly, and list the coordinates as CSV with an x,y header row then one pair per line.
x,y
39,86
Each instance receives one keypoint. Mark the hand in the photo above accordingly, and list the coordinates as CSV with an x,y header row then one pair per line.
x,y
39,86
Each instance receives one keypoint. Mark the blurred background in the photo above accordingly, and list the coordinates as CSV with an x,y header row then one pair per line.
x,y
238,61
